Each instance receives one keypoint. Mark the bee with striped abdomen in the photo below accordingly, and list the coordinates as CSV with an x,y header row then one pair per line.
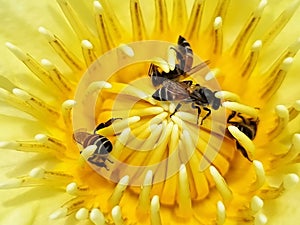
x,y
187,92
183,66
246,125
104,146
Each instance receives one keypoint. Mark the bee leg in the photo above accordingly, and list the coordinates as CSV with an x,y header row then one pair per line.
x,y
207,115
106,124
198,111
233,113
243,151
109,160
187,82
176,109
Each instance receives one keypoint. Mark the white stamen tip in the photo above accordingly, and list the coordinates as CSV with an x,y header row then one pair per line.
x,y
82,214
290,180
148,178
257,45
21,94
218,23
127,50
72,188
296,141
46,33
47,64
256,204
41,138
16,51
124,180
286,64
98,6
8,144
68,104
12,183
88,151
86,44
98,85
37,173
60,213
96,216
221,213
282,111
161,63
260,219
117,215
297,105
155,203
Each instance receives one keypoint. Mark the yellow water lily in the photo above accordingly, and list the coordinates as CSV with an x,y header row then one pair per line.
x,y
68,66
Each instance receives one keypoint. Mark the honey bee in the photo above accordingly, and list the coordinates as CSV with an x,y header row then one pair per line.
x,y
187,92
246,125
104,146
183,67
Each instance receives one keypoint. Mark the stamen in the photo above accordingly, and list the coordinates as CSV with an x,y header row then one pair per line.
x,y
213,74
12,183
72,61
161,63
36,104
282,121
144,197
218,36
280,22
26,146
221,213
37,173
6,84
155,211
171,58
195,20
60,213
260,175
126,49
87,152
184,197
57,76
116,196
228,96
244,140
97,217
221,184
161,18
256,204
220,11
50,142
291,155
251,60
117,215
294,110
125,89
188,117
121,142
274,79
248,28
112,23
82,214
260,219
32,65
73,189
290,181
244,109
76,23
106,41
88,52
119,125
179,16
93,89
138,26
66,109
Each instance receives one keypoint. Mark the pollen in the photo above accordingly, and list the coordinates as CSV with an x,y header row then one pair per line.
x,y
179,122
